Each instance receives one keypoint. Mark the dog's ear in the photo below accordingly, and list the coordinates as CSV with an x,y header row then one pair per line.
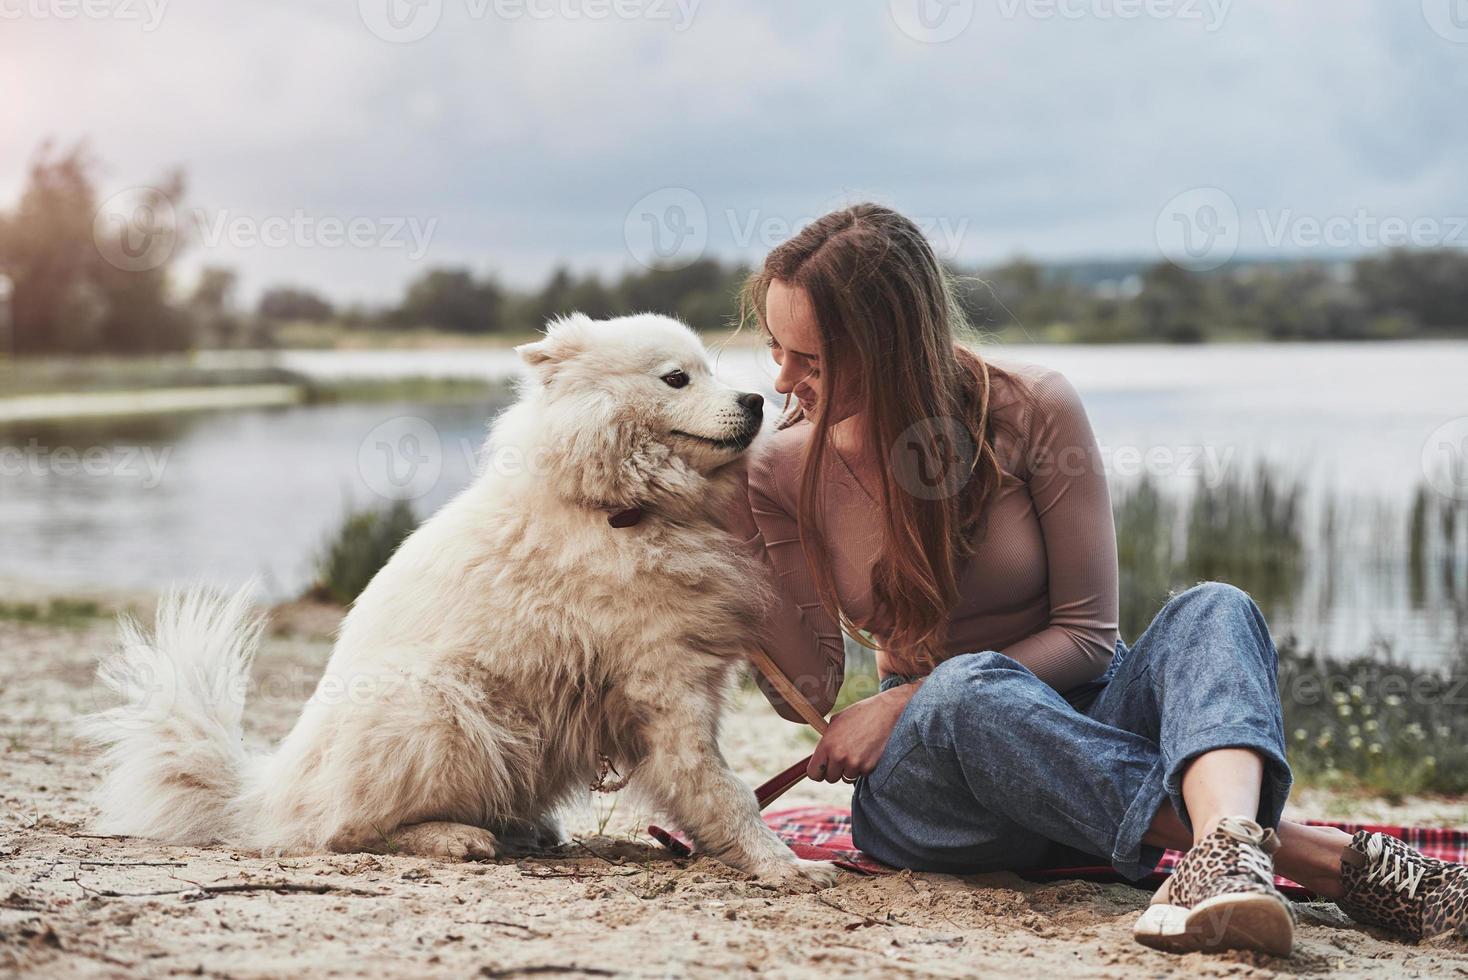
x,y
564,339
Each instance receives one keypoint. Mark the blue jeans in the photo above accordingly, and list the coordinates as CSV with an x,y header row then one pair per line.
x,y
989,768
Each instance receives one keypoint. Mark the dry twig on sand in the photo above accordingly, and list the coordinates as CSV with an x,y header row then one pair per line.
x,y
540,968
292,887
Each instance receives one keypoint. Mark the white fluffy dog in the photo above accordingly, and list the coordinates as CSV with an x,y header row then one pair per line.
x,y
577,604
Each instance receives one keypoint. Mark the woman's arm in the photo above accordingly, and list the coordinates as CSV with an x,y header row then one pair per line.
x,y
1067,481
798,633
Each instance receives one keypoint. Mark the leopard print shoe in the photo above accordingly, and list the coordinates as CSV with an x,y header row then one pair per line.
x,y
1397,888
1222,896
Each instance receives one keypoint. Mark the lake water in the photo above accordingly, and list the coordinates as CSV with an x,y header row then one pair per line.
x,y
226,495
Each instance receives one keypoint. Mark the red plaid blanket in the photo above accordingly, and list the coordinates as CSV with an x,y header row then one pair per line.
x,y
824,834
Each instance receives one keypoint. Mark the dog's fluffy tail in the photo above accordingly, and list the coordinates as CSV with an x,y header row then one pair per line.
x,y
174,759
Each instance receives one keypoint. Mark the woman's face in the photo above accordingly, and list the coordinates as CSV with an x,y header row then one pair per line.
x,y
795,343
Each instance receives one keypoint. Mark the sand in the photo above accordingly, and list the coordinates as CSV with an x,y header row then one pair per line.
x,y
609,904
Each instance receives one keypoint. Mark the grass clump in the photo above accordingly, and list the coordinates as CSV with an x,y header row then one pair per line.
x,y
411,389
360,547
54,612
1372,725
1247,529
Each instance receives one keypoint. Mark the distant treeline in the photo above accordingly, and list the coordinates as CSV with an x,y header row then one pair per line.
x,y
1394,294
74,287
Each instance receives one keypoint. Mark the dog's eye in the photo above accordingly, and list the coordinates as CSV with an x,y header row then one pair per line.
x,y
676,378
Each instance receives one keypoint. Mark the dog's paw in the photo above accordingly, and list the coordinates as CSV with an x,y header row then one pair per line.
x,y
823,874
800,876
449,841
549,833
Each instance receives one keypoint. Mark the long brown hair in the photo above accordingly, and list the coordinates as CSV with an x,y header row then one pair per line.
x,y
889,329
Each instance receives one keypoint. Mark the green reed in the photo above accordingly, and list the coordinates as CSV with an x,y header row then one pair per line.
x,y
362,544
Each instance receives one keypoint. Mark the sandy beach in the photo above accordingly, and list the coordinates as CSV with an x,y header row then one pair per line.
x,y
610,903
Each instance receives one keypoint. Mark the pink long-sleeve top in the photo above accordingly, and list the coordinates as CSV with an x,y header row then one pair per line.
x,y
1040,588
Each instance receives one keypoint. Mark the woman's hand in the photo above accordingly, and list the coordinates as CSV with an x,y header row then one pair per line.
x,y
853,744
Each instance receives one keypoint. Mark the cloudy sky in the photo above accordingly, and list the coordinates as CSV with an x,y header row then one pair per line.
x,y
348,144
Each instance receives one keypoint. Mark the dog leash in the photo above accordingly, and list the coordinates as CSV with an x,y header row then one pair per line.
x,y
771,790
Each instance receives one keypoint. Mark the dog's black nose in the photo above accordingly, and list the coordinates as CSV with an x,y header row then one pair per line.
x,y
754,403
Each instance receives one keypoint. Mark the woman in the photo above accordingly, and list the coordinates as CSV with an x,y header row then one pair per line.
x,y
958,513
